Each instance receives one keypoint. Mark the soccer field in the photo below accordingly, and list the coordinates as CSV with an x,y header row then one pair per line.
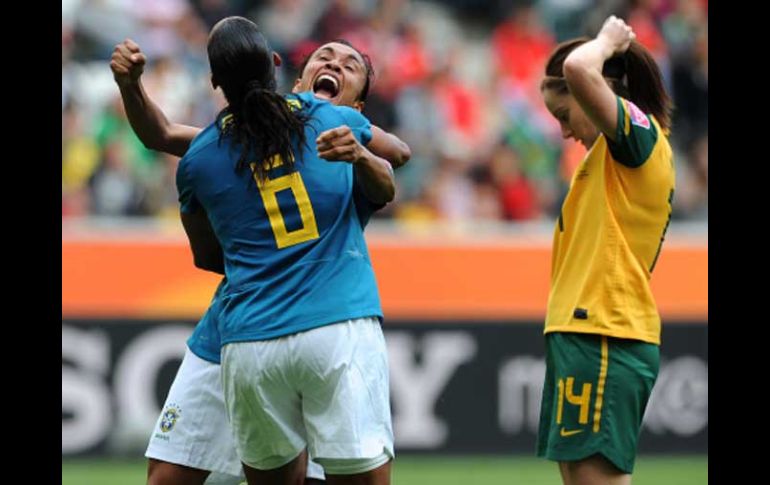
x,y
412,470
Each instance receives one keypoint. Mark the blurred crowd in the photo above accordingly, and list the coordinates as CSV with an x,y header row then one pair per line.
x,y
457,80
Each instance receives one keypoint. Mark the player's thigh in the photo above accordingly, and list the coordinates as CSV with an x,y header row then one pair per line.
x,y
164,473
592,470
378,476
345,396
290,473
192,429
264,406
599,388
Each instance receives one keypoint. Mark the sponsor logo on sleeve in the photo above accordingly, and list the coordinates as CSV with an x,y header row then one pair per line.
x,y
638,118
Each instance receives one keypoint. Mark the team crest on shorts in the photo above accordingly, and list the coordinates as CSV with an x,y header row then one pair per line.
x,y
171,413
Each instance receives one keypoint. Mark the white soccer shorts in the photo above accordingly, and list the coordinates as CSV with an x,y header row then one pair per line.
x,y
193,429
325,389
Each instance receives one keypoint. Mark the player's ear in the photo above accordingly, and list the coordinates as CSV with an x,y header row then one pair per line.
x,y
277,61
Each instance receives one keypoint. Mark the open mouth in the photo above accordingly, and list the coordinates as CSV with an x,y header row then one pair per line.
x,y
326,87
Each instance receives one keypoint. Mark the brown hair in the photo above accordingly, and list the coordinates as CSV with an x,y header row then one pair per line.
x,y
633,75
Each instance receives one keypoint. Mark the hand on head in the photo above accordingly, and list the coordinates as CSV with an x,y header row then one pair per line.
x,y
617,34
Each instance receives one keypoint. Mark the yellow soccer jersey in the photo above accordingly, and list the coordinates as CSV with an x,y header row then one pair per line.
x,y
610,231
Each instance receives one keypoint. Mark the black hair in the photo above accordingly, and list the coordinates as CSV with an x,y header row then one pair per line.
x,y
261,121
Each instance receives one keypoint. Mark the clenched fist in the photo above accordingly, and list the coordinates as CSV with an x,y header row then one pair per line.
x,y
617,34
127,62
339,144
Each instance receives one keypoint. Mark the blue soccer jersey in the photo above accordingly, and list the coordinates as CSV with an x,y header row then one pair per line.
x,y
204,341
295,255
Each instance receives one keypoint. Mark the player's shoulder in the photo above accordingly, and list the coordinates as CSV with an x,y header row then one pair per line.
x,y
637,135
206,138
307,102
305,98
345,115
197,154
351,114
323,107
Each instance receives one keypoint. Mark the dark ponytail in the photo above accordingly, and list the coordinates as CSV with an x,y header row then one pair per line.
x,y
256,118
264,126
645,84
633,75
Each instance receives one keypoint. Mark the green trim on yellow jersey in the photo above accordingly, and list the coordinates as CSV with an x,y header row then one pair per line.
x,y
635,135
608,238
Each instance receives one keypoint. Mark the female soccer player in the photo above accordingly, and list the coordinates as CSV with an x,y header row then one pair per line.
x,y
602,327
304,363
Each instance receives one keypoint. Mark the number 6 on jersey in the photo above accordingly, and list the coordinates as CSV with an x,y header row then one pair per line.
x,y
268,189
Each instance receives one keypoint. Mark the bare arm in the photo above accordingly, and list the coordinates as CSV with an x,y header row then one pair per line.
x,y
207,252
146,118
389,146
374,174
583,73
375,177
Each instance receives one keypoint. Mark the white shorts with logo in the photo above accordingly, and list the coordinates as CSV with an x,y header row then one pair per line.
x,y
325,389
193,429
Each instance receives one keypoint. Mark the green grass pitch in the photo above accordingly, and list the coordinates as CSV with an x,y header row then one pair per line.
x,y
444,470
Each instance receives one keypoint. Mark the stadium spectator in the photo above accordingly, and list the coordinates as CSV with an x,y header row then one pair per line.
x,y
412,43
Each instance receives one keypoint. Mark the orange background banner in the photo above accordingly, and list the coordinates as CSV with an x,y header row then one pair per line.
x,y
500,278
